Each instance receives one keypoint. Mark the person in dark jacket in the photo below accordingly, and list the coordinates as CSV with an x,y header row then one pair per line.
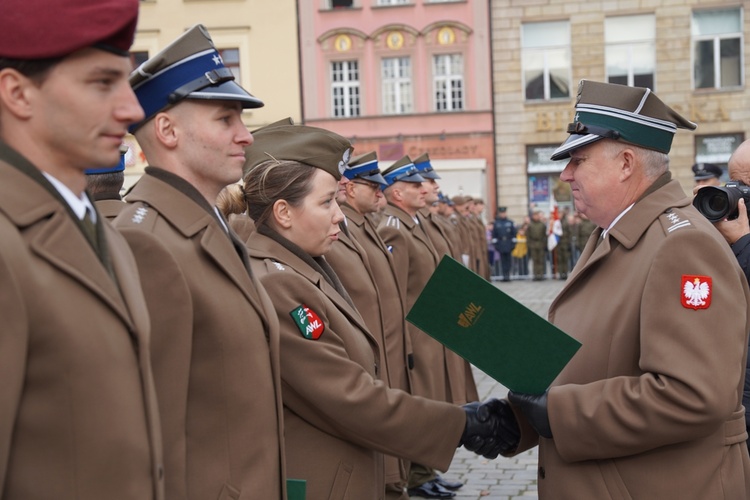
x,y
504,239
737,234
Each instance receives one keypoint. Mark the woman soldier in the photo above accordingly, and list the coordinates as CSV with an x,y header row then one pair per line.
x,y
338,416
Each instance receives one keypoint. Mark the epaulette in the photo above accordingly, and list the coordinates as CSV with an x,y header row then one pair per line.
x,y
393,221
674,219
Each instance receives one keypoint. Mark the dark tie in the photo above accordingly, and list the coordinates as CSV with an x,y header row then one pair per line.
x,y
89,228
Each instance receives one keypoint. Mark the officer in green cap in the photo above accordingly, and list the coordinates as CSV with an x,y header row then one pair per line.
x,y
214,334
660,305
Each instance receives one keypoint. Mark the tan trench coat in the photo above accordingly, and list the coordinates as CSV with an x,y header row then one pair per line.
x,y
215,346
339,417
78,418
651,405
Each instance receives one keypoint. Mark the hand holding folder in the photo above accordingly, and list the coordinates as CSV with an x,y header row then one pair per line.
x,y
491,330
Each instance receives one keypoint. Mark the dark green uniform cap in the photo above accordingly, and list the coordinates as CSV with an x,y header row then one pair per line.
x,y
629,114
312,146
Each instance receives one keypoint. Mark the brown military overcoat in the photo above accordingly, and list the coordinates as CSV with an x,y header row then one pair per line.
x,y
415,259
651,405
215,346
461,383
339,417
78,418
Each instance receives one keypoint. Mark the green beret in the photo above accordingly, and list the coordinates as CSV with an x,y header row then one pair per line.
x,y
312,146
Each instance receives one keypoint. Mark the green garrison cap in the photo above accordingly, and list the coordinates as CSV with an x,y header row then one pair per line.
x,y
629,114
188,68
312,146
403,170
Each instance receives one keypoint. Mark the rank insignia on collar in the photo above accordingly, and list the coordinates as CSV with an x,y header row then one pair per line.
x,y
696,292
309,323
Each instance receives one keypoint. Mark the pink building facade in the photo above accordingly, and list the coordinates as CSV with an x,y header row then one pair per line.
x,y
404,77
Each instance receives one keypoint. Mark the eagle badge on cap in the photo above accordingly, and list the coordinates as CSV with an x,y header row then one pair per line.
x,y
696,292
344,161
309,323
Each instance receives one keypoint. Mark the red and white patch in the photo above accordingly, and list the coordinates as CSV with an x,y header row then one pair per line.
x,y
696,292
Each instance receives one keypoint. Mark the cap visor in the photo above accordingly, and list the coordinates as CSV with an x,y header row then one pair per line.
x,y
227,91
574,141
430,174
412,178
374,178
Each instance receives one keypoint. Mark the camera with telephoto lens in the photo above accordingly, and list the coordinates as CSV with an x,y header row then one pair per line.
x,y
719,203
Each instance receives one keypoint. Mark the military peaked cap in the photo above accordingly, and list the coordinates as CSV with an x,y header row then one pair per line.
x,y
365,167
703,171
629,114
403,170
424,167
188,68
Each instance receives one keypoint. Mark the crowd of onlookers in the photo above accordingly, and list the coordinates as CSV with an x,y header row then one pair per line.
x,y
557,242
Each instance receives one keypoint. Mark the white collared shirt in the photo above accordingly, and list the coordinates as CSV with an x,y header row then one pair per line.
x,y
604,233
79,205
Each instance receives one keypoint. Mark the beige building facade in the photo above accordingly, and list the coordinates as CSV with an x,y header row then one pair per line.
x,y
691,53
257,40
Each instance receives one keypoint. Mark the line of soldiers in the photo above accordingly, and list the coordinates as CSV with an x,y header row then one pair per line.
x,y
145,358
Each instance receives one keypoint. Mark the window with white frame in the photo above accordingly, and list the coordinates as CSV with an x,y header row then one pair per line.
x,y
448,77
546,60
630,51
345,88
717,48
393,2
396,78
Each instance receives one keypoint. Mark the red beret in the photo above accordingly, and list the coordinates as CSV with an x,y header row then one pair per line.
x,y
30,29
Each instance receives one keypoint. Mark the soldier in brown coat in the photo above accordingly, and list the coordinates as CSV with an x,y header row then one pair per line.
x,y
415,258
78,412
364,266
215,337
651,405
462,388
339,414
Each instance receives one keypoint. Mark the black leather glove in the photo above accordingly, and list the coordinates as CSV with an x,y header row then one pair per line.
x,y
534,407
491,428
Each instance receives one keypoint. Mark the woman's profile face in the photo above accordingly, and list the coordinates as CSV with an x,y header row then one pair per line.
x,y
314,224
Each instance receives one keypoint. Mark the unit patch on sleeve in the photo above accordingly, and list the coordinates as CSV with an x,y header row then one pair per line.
x,y
308,322
696,292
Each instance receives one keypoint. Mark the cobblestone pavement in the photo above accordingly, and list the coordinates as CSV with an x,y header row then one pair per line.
x,y
503,478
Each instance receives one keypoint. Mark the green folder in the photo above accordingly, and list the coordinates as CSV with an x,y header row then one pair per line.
x,y
296,489
490,329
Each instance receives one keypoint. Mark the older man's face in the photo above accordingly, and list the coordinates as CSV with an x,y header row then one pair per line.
x,y
594,175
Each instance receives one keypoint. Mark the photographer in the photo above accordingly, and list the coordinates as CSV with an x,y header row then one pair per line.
x,y
737,234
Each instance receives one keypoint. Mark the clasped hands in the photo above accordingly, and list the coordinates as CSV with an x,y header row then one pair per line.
x,y
491,427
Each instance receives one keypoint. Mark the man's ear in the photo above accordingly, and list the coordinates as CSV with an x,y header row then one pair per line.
x,y
165,129
15,93
627,164
282,214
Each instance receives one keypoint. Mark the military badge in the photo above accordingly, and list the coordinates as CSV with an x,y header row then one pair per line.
x,y
696,292
344,161
308,322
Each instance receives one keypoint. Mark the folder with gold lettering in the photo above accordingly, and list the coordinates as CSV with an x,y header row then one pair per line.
x,y
490,329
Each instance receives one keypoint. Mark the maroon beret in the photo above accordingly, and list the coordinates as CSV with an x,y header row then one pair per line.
x,y
30,29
